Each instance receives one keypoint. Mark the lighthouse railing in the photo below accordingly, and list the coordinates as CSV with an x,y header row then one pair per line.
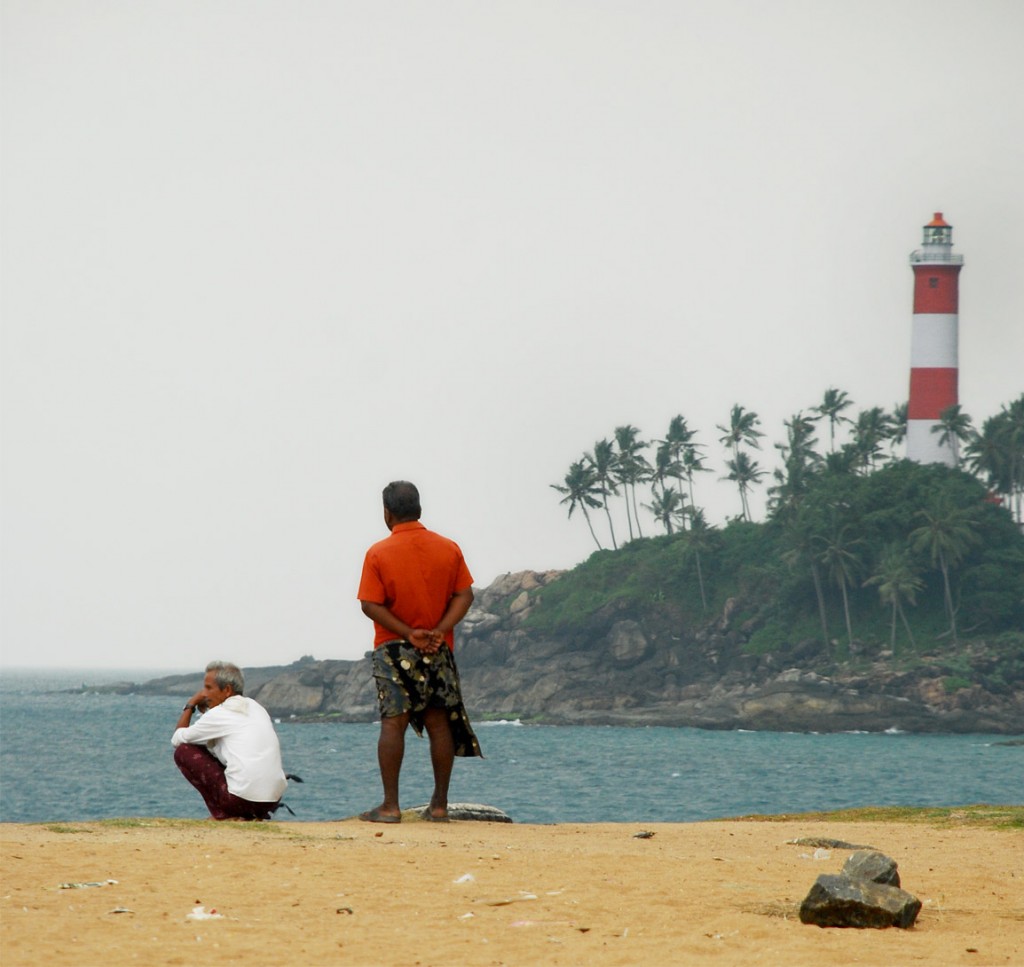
x,y
941,257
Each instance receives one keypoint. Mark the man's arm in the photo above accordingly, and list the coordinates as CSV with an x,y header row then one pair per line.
x,y
456,611
419,638
197,701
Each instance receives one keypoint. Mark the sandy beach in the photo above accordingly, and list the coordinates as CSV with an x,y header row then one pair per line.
x,y
471,893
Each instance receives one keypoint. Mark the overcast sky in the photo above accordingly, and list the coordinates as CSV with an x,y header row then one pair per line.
x,y
260,258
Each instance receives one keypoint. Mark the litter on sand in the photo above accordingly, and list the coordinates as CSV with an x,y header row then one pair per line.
x,y
199,913
82,886
504,901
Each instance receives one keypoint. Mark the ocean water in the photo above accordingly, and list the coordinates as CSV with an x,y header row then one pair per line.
x,y
82,757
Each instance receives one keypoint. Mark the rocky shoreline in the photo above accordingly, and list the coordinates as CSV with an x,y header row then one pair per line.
x,y
638,675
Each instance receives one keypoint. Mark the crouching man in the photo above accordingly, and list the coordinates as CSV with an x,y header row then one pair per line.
x,y
231,754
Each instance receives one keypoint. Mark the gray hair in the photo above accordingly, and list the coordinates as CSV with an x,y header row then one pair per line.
x,y
228,674
402,499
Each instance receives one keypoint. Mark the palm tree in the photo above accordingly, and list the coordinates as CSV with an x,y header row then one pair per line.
x,y
897,581
800,461
666,468
631,468
602,462
742,429
744,472
672,448
946,535
697,541
997,455
899,426
842,564
802,543
955,427
872,429
1014,442
832,406
692,465
580,488
667,507
987,456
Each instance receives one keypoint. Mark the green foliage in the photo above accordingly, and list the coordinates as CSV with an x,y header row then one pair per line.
x,y
855,531
954,683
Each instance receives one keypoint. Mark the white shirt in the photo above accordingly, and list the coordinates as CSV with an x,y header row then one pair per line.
x,y
241,735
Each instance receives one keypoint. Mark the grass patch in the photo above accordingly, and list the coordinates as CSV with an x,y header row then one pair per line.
x,y
949,817
156,822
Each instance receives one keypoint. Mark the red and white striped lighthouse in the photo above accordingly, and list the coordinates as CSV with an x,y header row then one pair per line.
x,y
933,347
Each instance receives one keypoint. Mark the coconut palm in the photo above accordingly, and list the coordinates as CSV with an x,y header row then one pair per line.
x,y
899,426
602,461
996,454
744,472
800,461
692,465
802,550
666,467
631,468
666,506
697,540
1014,442
955,427
839,557
872,429
987,455
947,534
672,448
832,406
897,581
581,490
742,429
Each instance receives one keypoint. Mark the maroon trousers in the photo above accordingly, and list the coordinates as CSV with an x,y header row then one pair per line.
x,y
204,770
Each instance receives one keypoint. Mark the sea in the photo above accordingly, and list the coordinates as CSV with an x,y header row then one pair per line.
x,y
74,757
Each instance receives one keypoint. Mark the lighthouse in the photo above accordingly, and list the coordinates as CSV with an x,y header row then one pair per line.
x,y
933,346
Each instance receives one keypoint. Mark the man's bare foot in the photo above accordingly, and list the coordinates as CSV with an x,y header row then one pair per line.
x,y
376,816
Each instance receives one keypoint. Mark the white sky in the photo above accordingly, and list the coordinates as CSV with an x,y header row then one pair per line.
x,y
260,258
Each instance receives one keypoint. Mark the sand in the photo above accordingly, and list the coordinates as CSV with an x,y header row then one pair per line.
x,y
470,893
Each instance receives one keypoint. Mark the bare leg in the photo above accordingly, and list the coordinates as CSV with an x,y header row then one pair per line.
x,y
390,752
442,758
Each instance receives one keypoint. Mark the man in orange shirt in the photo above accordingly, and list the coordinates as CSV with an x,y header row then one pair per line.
x,y
416,588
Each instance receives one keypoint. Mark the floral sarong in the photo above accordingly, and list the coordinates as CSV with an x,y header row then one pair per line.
x,y
412,681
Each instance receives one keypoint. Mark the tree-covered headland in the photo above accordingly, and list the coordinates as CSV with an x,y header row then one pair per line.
x,y
860,554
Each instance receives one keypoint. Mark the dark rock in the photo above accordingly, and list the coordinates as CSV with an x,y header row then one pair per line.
x,y
873,866
839,901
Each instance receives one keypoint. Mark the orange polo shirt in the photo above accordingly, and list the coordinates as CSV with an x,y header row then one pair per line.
x,y
414,573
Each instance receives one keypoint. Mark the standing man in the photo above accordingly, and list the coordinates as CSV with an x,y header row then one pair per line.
x,y
416,588
231,755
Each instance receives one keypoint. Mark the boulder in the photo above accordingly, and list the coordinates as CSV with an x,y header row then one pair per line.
x,y
840,901
872,865
627,644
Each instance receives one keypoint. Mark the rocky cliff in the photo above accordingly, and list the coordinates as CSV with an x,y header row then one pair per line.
x,y
630,672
